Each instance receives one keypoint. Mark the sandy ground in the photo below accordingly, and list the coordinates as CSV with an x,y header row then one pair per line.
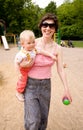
x,y
61,117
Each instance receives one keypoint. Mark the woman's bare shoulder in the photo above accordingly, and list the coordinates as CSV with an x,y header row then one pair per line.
x,y
37,39
57,48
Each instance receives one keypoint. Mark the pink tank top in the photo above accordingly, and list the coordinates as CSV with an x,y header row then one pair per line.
x,y
42,67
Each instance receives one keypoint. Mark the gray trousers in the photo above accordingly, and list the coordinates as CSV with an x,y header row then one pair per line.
x,y
37,103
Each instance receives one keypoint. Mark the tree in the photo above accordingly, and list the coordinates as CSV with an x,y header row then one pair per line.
x,y
51,8
71,19
10,12
19,15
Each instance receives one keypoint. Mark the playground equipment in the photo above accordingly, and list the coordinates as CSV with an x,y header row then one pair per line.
x,y
57,37
5,42
11,38
2,34
6,38
2,27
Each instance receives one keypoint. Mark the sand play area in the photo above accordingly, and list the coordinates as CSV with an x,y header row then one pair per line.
x,y
61,117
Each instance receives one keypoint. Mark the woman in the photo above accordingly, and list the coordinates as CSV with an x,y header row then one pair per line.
x,y
38,89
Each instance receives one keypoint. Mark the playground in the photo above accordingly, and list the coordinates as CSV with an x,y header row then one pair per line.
x,y
61,117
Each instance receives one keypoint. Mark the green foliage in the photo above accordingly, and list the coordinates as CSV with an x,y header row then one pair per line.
x,y
23,14
51,8
71,19
18,15
72,32
11,13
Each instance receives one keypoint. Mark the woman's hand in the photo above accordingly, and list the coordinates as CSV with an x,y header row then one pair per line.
x,y
26,63
67,94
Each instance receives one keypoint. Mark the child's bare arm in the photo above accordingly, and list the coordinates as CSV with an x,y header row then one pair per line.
x,y
46,53
26,63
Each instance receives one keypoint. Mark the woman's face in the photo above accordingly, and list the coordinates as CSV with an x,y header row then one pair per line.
x,y
48,28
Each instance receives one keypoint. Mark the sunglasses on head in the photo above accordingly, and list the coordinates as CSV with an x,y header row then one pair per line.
x,y
45,25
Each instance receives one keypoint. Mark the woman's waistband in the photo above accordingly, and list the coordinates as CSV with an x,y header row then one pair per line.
x,y
38,79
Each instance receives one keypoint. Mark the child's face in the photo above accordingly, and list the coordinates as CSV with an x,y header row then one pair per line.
x,y
28,44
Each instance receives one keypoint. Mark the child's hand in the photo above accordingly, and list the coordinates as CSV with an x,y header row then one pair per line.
x,y
26,63
53,57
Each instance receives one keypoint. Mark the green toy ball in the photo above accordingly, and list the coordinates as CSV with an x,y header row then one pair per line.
x,y
66,101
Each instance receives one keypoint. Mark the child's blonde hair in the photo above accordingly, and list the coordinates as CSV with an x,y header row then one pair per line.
x,y
25,34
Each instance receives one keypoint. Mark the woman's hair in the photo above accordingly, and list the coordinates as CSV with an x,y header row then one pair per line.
x,y
26,33
49,16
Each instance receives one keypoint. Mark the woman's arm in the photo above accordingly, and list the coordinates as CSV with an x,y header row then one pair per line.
x,y
61,72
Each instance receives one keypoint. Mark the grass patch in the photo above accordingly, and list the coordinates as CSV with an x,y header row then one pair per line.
x,y
77,43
